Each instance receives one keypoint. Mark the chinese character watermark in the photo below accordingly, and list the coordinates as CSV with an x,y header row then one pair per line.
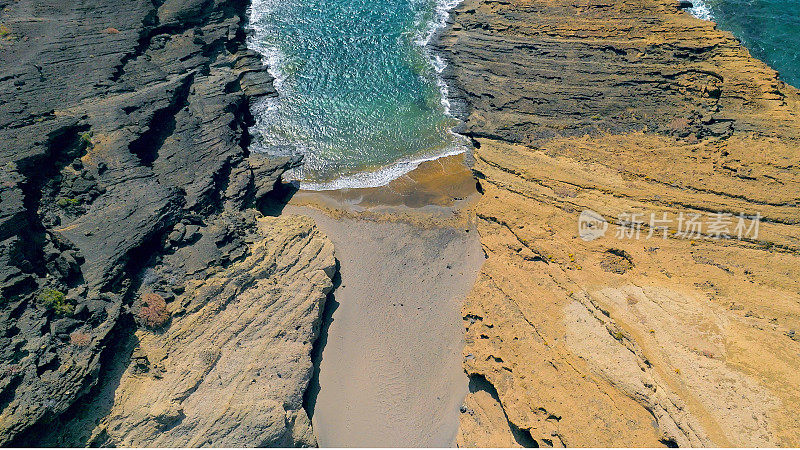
x,y
637,225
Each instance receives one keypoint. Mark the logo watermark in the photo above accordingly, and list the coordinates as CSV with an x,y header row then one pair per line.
x,y
591,225
638,225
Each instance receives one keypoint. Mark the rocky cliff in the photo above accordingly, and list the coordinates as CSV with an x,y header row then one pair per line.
x,y
126,202
655,333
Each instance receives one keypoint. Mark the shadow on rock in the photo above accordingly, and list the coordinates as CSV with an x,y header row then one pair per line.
x,y
273,204
331,305
75,427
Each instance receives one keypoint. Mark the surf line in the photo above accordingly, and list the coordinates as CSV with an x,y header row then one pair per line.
x,y
370,178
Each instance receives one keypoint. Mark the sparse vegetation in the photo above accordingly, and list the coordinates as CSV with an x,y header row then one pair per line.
x,y
86,139
5,32
64,202
56,301
153,311
80,339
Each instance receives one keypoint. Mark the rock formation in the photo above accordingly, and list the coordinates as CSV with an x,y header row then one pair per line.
x,y
125,179
232,367
632,109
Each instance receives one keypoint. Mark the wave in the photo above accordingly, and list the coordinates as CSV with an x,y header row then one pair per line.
x,y
441,15
377,178
387,174
273,60
701,10
276,61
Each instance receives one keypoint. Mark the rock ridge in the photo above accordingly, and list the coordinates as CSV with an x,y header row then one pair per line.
x,y
126,176
626,107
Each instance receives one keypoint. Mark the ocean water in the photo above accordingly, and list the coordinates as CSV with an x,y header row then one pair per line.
x,y
770,29
359,90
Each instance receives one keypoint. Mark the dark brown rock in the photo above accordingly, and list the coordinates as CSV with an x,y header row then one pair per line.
x,y
119,120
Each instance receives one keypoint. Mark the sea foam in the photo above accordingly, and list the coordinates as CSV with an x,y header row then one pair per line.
x,y
276,62
376,178
701,10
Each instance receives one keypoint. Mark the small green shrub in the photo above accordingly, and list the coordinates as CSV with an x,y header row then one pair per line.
x,y
64,202
86,138
56,301
5,32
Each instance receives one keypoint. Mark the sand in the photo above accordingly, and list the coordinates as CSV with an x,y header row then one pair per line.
x,y
444,182
390,372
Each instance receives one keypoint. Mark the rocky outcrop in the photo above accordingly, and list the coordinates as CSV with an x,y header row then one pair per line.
x,y
233,365
632,109
125,171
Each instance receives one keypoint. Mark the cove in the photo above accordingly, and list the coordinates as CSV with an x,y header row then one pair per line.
x,y
359,92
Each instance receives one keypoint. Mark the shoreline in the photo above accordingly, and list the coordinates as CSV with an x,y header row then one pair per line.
x,y
443,186
428,44
374,179
388,362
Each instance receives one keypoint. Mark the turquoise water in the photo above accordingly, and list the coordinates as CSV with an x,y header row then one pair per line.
x,y
359,92
770,29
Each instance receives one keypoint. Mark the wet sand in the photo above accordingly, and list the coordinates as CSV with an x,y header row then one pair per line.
x,y
443,183
390,372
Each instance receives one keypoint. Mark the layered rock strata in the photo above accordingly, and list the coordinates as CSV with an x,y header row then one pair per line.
x,y
232,368
126,177
632,109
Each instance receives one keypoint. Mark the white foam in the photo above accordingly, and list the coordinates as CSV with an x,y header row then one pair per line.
x,y
276,61
441,15
700,10
377,178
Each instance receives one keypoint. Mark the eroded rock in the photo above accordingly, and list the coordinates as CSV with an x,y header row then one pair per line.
x,y
232,367
620,107
125,141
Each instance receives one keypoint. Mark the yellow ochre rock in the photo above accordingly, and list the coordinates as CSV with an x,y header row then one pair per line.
x,y
632,109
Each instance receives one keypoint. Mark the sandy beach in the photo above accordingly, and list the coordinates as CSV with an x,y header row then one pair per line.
x,y
390,369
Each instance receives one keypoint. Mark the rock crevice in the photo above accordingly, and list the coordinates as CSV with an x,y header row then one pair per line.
x,y
126,173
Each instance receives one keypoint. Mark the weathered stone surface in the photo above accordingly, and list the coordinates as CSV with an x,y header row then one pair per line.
x,y
232,367
124,130
626,106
